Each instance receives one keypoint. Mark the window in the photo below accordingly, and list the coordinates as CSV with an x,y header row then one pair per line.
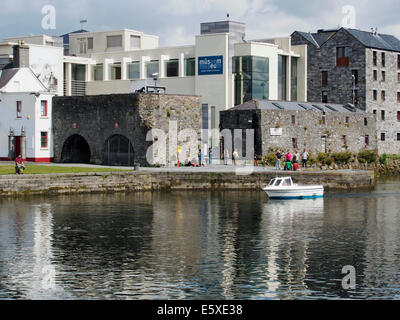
x,y
323,120
90,43
374,112
383,95
398,61
190,65
383,76
374,58
98,72
324,78
347,120
365,121
398,77
114,41
134,70
293,119
383,59
115,71
43,139
398,136
398,116
342,56
43,108
375,95
375,75
366,140
294,142
135,42
383,136
19,109
151,69
172,68
324,97
383,115
354,75
398,96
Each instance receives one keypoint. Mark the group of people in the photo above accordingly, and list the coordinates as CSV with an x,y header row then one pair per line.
x,y
291,161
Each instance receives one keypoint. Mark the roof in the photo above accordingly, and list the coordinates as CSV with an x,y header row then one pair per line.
x,y
66,36
6,75
367,38
297,106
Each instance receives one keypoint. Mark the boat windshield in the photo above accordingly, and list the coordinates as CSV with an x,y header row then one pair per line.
x,y
278,182
272,182
287,182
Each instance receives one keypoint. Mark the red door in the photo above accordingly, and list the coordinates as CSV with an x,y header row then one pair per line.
x,y
17,146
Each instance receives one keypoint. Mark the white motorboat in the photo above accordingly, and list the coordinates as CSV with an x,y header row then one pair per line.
x,y
284,188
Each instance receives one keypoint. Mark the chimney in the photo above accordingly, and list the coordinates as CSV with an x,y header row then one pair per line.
x,y
21,55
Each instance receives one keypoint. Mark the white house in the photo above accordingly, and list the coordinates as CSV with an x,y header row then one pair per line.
x,y
25,106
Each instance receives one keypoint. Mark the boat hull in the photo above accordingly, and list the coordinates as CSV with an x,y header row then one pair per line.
x,y
309,192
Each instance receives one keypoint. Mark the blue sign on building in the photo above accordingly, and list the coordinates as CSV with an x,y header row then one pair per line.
x,y
210,65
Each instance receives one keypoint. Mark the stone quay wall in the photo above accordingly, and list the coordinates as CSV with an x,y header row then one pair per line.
x,y
172,181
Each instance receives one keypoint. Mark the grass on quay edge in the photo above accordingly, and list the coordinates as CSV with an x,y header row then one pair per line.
x,y
37,169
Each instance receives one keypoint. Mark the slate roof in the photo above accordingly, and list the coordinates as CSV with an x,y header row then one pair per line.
x,y
296,106
367,38
6,75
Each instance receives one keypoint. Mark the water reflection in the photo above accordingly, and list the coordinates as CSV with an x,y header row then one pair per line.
x,y
200,245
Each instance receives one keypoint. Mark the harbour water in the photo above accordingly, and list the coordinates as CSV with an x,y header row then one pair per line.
x,y
201,245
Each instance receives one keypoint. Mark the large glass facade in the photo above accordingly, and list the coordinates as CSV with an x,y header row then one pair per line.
x,y
190,66
251,78
282,71
98,72
172,68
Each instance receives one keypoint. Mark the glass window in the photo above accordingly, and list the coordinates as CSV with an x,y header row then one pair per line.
x,y
288,182
282,67
90,43
375,94
383,95
272,182
324,97
19,109
43,108
114,41
278,182
324,78
383,115
43,139
134,70
366,140
190,65
98,72
374,58
375,75
115,71
383,136
152,68
135,42
293,89
78,72
172,68
383,75
383,59
398,136
342,56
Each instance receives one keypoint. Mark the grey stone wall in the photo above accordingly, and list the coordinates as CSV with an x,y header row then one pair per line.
x,y
96,118
308,130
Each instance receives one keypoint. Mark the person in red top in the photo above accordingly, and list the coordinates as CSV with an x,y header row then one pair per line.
x,y
295,166
19,165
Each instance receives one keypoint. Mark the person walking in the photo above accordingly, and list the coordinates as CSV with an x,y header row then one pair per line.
x,y
210,155
199,155
304,157
226,157
235,156
278,155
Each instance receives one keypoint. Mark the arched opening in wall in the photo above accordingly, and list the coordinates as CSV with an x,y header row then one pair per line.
x,y
75,150
118,151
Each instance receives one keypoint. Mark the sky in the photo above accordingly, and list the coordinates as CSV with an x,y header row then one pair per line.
x,y
176,22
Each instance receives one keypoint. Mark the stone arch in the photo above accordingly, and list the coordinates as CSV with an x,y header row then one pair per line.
x,y
75,150
118,151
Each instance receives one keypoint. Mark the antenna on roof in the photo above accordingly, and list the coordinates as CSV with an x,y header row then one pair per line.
x,y
227,15
82,22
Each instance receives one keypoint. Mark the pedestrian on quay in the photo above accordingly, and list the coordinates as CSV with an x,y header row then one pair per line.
x,y
296,156
305,156
199,155
235,156
210,155
226,157
19,165
255,160
278,155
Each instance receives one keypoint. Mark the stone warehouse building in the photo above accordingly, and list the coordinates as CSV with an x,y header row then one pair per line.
x,y
287,125
358,67
113,129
